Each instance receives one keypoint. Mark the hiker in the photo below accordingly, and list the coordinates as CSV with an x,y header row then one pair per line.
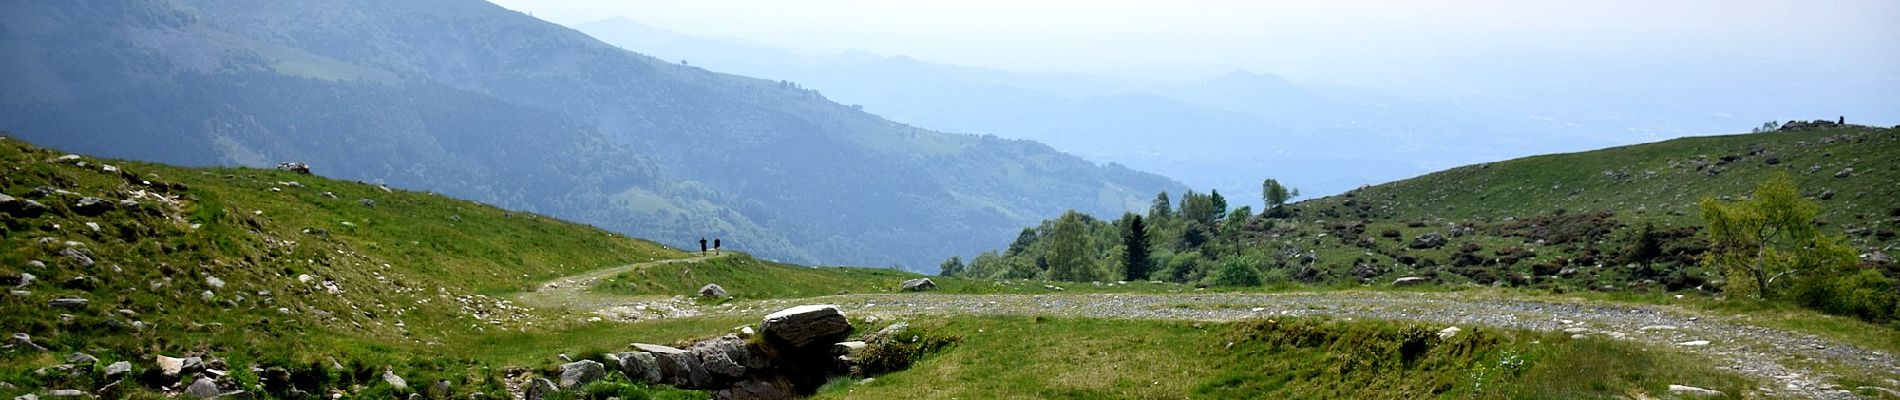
x,y
715,246
702,247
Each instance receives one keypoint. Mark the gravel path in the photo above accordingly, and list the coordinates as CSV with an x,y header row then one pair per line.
x,y
1797,364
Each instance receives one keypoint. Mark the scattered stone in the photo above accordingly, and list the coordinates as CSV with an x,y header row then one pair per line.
x,y
171,366
1408,281
540,388
70,303
203,388
366,202
890,331
1693,343
580,373
1430,240
1657,328
66,393
79,257
919,285
91,206
117,370
1694,391
803,326
22,340
296,167
82,359
1448,333
847,347
712,290
17,281
389,375
1845,172
214,282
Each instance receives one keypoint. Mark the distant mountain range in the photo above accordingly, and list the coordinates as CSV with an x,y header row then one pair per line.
x,y
472,100
1233,130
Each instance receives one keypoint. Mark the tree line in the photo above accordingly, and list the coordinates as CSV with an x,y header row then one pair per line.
x,y
1196,239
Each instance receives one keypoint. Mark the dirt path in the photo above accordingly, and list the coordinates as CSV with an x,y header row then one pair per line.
x,y
574,293
1797,365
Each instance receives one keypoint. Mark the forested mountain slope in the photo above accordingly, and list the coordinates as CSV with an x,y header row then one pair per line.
x,y
466,98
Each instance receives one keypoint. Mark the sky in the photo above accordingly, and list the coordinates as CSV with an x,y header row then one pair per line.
x,y
1341,41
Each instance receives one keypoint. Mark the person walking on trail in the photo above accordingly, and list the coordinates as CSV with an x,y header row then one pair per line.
x,y
715,246
702,247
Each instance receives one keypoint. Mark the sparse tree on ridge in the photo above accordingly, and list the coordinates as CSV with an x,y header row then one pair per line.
x,y
1275,194
951,267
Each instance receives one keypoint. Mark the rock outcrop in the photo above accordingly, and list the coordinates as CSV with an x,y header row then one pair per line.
x,y
799,328
919,285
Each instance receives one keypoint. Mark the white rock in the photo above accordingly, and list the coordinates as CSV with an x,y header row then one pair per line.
x,y
1658,328
1693,391
1694,343
214,282
1448,333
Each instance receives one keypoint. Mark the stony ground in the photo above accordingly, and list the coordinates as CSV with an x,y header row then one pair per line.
x,y
1798,365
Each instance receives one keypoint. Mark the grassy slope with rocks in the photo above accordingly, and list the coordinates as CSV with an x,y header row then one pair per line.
x,y
1563,222
210,261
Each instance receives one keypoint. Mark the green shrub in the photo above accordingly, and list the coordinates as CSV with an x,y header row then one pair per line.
x,y
1865,294
1237,271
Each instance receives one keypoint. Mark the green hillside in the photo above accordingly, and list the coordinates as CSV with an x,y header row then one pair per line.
x,y
271,268
1622,219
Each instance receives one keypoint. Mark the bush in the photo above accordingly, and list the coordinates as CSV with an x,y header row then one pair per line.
x,y
1237,271
1864,294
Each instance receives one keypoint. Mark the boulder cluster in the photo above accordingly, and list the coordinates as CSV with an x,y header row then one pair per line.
x,y
794,351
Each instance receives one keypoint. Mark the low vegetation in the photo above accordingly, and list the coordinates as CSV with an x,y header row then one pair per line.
x,y
1622,220
1280,358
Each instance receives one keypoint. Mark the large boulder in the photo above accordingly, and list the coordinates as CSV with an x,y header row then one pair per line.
x,y
683,370
805,326
725,357
919,285
581,373
712,290
641,367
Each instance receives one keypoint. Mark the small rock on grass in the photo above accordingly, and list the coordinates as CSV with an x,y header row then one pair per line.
x,y
1694,391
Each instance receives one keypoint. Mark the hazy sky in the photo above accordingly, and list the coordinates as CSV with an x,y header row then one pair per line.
x,y
1351,41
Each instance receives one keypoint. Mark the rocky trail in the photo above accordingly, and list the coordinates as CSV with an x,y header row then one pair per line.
x,y
1789,364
